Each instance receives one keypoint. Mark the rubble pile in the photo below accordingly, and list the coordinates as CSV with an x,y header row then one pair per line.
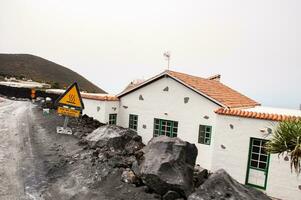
x,y
115,138
221,185
115,145
200,175
83,125
163,169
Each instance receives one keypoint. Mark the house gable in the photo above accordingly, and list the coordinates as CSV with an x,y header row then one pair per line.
x,y
208,88
172,86
160,76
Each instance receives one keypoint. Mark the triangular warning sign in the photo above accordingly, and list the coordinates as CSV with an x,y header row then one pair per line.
x,y
71,97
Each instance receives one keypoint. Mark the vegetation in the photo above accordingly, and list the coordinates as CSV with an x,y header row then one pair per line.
x,y
42,70
286,140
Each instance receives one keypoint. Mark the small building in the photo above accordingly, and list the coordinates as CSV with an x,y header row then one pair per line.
x,y
103,107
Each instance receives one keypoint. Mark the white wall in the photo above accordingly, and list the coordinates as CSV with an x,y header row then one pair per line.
x,y
105,108
281,182
157,102
111,107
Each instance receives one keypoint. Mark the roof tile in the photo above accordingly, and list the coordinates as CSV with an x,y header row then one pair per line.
x,y
216,90
254,115
99,97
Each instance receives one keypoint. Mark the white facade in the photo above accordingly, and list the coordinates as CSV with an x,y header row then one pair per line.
x,y
100,110
231,151
230,138
169,105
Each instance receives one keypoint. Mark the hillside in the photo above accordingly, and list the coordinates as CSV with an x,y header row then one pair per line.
x,y
42,70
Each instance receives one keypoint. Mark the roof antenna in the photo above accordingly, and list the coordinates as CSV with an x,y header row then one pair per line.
x,y
167,57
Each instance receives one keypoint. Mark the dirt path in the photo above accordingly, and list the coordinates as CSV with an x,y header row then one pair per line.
x,y
11,149
27,150
36,163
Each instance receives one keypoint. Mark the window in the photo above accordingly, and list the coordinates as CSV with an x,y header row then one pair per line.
x,y
165,127
113,119
205,134
133,122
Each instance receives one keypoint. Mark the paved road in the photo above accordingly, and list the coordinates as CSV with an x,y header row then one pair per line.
x,y
18,177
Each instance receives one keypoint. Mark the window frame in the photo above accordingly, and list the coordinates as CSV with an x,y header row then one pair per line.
x,y
165,127
113,119
204,138
133,122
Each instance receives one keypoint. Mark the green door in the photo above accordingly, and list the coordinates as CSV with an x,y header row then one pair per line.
x,y
258,164
165,127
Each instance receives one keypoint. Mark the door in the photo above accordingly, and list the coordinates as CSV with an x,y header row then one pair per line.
x,y
258,164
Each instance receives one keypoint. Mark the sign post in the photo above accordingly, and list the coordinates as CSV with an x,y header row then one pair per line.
x,y
69,104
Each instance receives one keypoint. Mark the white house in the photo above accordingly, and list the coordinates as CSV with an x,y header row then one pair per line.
x,y
228,128
102,107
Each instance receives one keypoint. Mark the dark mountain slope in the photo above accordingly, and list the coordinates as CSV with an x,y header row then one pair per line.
x,y
42,70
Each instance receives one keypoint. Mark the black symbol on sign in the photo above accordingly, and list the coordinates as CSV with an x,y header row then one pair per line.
x,y
71,98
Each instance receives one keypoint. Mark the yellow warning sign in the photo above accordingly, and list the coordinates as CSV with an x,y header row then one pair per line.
x,y
68,112
71,98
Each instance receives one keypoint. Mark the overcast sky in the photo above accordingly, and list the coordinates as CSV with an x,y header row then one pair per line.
x,y
253,44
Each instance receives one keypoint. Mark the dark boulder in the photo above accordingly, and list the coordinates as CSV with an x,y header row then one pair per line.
x,y
200,175
221,185
167,165
171,195
115,138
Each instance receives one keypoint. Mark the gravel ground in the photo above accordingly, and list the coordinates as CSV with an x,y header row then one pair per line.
x,y
37,163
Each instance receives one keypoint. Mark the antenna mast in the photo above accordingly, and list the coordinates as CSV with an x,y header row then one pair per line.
x,y
167,57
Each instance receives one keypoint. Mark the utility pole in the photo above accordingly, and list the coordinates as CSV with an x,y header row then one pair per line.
x,y
167,57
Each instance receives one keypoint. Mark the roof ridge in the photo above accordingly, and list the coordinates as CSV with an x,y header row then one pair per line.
x,y
186,74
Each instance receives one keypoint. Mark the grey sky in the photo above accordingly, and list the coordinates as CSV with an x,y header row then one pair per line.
x,y
253,44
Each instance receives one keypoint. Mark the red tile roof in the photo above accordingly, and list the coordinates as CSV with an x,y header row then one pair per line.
x,y
215,90
254,115
99,97
211,88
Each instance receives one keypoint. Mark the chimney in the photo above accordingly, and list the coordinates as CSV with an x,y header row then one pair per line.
x,y
216,77
300,107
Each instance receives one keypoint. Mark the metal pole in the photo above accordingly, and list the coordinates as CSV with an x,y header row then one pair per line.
x,y
168,63
66,122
